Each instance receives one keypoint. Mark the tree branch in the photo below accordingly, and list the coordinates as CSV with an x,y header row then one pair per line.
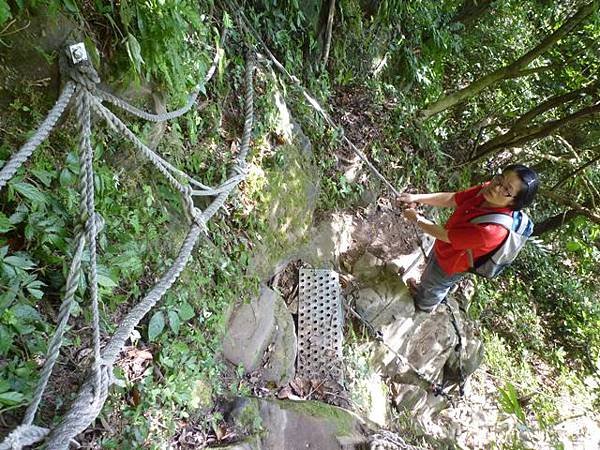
x,y
517,136
575,172
555,101
552,39
509,70
581,210
554,222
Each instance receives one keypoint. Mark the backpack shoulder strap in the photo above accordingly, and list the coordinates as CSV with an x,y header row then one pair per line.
x,y
525,223
500,219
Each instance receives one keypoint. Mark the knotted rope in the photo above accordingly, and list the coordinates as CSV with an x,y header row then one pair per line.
x,y
94,390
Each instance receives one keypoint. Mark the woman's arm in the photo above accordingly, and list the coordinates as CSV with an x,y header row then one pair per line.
x,y
441,199
432,229
427,225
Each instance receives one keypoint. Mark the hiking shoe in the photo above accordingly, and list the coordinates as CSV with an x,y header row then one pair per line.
x,y
412,286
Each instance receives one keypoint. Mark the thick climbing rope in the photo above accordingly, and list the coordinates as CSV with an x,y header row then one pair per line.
x,y
87,215
23,154
94,390
102,94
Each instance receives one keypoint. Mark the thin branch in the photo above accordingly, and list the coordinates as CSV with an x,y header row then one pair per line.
x,y
576,171
568,146
328,32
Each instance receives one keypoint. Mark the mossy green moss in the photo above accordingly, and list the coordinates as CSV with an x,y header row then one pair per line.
x,y
343,420
284,193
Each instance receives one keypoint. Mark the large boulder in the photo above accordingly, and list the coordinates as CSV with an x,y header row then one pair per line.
x,y
329,240
281,357
24,55
298,425
418,349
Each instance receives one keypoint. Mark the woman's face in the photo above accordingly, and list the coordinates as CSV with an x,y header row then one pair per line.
x,y
503,189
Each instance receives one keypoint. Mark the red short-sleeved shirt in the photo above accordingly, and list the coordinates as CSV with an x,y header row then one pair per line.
x,y
480,238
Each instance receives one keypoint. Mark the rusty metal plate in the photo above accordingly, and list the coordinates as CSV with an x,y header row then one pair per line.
x,y
320,323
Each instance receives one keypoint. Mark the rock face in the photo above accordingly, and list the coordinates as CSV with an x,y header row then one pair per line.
x,y
260,336
425,342
297,425
38,37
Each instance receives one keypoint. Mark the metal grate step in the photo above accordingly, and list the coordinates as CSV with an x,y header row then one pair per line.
x,y
320,323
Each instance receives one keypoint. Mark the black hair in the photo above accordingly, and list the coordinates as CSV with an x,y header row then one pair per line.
x,y
531,183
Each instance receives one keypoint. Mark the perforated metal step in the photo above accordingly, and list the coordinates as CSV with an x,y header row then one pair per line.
x,y
320,323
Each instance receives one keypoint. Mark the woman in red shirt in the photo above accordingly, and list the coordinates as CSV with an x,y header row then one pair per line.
x,y
514,189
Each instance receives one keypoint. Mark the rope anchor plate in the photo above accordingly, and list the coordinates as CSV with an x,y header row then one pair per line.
x,y
78,53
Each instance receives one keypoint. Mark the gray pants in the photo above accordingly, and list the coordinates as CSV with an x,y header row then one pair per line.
x,y
435,285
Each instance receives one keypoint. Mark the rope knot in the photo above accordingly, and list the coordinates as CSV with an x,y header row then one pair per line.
x,y
199,219
102,380
242,170
82,73
80,226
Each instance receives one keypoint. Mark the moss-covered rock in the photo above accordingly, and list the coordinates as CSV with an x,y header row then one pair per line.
x,y
286,194
300,425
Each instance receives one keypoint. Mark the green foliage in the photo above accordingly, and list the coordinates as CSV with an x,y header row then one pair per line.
x,y
508,399
5,13
546,304
167,42
543,311
162,40
38,217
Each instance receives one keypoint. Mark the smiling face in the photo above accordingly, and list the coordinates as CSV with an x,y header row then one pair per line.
x,y
503,189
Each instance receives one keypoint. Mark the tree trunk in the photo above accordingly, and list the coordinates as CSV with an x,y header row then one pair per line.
x,y
328,32
510,70
554,222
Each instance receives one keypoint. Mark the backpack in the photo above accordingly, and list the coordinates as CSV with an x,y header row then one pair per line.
x,y
520,228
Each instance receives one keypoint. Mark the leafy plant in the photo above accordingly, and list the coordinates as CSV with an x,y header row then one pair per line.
x,y
509,400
